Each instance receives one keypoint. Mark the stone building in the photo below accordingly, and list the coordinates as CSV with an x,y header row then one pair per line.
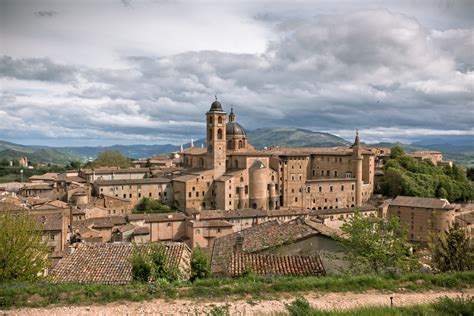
x,y
422,216
135,189
231,174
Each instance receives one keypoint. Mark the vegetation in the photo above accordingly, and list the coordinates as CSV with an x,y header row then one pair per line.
x,y
23,253
44,294
405,175
148,266
149,205
451,250
110,158
445,306
200,265
376,245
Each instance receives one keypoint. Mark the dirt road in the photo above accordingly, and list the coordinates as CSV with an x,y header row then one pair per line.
x,y
326,301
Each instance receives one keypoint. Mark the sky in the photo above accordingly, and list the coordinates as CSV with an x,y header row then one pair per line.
x,y
76,73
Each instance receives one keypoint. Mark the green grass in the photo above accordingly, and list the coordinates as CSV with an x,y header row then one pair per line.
x,y
45,294
444,306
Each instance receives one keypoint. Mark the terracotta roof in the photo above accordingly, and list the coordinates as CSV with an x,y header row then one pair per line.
x,y
194,151
411,201
273,265
211,223
166,217
250,212
158,180
259,237
114,170
102,223
363,208
141,231
46,176
125,228
38,186
108,263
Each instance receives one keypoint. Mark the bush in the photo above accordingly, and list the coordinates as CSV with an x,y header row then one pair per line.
x,y
200,266
455,306
140,269
148,205
299,307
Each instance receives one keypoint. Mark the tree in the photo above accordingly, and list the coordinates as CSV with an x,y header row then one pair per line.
x,y
148,205
376,245
111,158
396,152
160,265
23,253
200,266
451,250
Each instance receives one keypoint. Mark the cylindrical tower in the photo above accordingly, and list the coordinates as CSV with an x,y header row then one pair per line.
x,y
357,158
258,185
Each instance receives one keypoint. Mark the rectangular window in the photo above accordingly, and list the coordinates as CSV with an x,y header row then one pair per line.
x,y
246,189
320,189
51,236
189,194
335,173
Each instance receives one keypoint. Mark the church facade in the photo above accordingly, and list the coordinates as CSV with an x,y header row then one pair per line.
x,y
230,174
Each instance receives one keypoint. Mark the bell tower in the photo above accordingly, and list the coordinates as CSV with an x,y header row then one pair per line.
x,y
357,158
216,120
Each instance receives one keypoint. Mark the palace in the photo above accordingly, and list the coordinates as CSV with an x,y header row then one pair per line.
x,y
230,174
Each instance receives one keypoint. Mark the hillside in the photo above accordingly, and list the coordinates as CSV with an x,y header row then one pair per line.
x,y
293,137
11,151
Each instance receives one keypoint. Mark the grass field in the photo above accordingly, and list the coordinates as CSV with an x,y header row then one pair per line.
x,y
46,294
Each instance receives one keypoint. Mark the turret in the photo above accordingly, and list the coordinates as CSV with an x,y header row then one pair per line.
x,y
357,158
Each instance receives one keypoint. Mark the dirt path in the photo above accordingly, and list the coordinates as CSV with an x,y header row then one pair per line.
x,y
326,301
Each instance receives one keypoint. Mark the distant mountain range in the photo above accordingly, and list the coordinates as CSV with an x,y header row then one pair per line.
x,y
457,148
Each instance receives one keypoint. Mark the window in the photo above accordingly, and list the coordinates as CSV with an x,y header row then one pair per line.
x,y
219,133
320,189
327,173
322,172
51,235
168,224
197,194
342,188
308,189
241,144
296,199
330,188
219,120
149,194
353,186
218,230
194,189
139,195
189,194
130,195
246,189
335,173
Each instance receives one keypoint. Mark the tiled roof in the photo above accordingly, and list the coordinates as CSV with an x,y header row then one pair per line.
x,y
211,223
165,217
256,238
125,228
195,151
364,208
107,263
46,176
141,231
273,265
158,180
246,213
467,218
115,170
412,201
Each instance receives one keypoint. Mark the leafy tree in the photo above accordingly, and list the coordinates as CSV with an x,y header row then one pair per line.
x,y
200,266
451,250
396,152
149,205
376,245
111,158
404,175
141,270
23,253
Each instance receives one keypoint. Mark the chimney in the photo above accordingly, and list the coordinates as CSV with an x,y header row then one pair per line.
x,y
238,242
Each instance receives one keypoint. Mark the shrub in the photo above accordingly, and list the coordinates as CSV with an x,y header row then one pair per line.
x,y
299,307
140,268
455,306
200,266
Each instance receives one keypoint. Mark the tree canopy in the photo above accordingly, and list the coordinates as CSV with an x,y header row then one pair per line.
x,y
111,158
451,250
376,245
149,205
23,253
405,175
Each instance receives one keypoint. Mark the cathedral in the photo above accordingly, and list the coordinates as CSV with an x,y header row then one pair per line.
x,y
231,174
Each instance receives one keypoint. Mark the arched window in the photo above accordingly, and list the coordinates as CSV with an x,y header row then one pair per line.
x,y
236,162
210,119
229,144
241,145
219,133
219,120
210,133
309,189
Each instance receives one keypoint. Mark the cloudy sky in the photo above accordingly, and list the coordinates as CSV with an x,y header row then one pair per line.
x,y
129,72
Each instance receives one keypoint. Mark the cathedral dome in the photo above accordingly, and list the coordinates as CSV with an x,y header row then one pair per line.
x,y
216,107
234,129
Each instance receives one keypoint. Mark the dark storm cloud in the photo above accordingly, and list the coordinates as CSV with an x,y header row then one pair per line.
x,y
42,69
371,69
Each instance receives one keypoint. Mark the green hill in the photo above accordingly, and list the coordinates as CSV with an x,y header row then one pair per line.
x,y
292,137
